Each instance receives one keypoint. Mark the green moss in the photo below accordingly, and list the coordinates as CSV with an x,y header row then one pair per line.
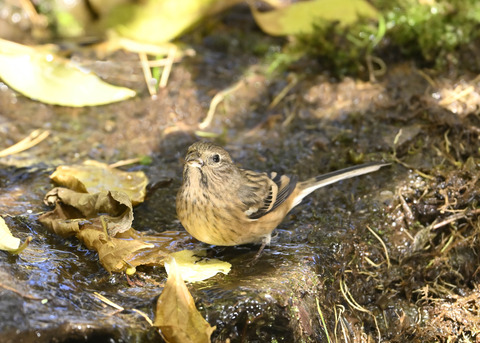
x,y
434,31
434,34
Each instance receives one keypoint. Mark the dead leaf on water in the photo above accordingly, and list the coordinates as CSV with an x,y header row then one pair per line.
x,y
116,254
93,177
102,222
74,210
176,315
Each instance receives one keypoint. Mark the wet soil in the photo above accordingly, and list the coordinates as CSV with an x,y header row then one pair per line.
x,y
391,256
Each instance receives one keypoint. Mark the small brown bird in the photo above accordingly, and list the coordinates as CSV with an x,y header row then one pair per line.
x,y
221,204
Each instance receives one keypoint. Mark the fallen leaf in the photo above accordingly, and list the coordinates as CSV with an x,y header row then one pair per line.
x,y
115,253
164,243
74,210
7,241
157,22
194,267
102,221
299,17
48,78
176,315
94,177
10,243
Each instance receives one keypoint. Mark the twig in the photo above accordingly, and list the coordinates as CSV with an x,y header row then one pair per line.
x,y
144,315
168,67
283,93
125,162
120,308
407,210
37,20
33,139
107,301
427,77
11,289
453,218
147,73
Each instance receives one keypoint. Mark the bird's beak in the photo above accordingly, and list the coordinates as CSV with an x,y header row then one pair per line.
x,y
194,160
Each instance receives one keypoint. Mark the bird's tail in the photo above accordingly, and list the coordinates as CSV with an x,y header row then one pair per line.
x,y
308,186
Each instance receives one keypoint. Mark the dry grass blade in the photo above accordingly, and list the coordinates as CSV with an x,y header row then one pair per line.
x,y
144,315
217,99
319,310
38,20
353,303
456,95
283,93
339,319
33,139
168,67
15,290
107,301
125,162
147,73
387,257
454,218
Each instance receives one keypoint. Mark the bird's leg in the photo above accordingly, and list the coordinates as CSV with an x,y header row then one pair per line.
x,y
255,258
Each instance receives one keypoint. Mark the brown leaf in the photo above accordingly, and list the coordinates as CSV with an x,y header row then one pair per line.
x,y
103,222
74,210
176,314
164,243
94,177
115,253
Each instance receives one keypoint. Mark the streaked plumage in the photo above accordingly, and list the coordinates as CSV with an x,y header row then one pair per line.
x,y
221,204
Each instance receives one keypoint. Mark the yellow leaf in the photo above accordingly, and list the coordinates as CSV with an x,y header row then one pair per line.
x,y
53,80
176,314
159,21
299,17
7,241
193,267
94,177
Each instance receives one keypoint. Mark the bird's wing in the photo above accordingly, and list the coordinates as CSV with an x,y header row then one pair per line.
x,y
286,186
262,193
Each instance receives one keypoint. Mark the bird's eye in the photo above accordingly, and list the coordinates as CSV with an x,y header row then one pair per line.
x,y
216,158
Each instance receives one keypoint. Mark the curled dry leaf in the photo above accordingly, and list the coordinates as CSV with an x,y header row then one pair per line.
x,y
74,210
119,253
102,221
93,177
176,315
